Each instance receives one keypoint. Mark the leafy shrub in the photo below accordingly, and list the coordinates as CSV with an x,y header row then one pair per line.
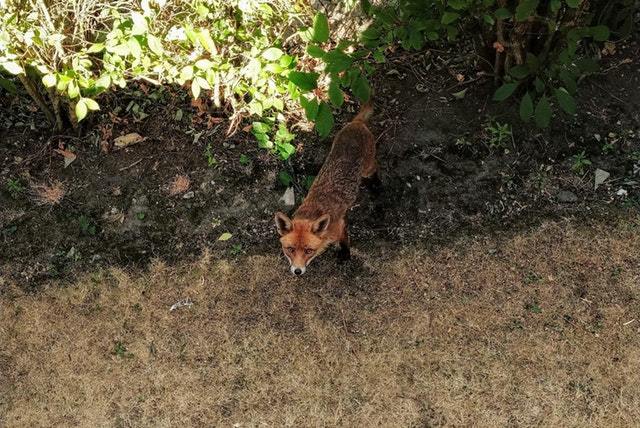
x,y
534,46
237,52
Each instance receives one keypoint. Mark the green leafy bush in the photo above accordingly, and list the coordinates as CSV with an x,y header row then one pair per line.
x,y
534,46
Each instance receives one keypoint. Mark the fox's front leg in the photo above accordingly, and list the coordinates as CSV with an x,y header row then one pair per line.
x,y
344,251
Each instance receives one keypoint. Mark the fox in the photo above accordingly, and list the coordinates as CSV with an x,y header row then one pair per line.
x,y
321,220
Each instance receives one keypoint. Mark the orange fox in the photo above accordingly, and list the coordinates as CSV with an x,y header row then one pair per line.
x,y
321,219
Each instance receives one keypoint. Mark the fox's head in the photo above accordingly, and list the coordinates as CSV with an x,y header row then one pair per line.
x,y
302,239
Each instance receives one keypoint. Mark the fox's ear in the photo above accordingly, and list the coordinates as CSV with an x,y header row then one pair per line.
x,y
283,223
320,225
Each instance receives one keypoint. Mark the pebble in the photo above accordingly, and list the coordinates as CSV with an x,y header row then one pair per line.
x,y
188,195
567,196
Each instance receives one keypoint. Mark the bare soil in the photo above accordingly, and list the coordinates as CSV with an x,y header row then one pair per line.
x,y
490,284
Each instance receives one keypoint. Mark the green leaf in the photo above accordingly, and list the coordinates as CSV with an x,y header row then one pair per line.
x,y
566,101
155,44
12,67
72,90
324,120
543,113
460,94
96,47
203,64
91,104
8,85
504,91
134,47
225,236
315,51
139,24
361,88
320,28
569,81
337,61
489,19
310,107
81,109
272,54
335,93
526,107
204,37
502,14
573,3
49,80
525,9
519,71
600,33
449,17
304,81
195,89
457,4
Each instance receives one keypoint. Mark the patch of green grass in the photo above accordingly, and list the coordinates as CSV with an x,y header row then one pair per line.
x,y
533,307
244,159
236,250
580,162
14,187
120,350
497,134
208,155
532,278
87,226
141,215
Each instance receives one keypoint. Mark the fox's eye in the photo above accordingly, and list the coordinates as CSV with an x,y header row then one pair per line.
x,y
308,251
291,250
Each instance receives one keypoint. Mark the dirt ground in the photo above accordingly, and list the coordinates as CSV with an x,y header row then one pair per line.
x,y
491,284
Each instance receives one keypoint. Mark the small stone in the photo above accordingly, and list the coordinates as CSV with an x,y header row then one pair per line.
x,y
622,193
188,195
566,196
600,177
289,197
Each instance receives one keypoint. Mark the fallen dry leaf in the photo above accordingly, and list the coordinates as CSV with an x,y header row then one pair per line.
x,y
179,185
128,140
498,46
69,157
49,194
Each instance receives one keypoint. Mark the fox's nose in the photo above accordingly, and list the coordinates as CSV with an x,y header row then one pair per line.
x,y
298,271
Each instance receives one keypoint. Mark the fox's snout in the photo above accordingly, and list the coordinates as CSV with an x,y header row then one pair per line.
x,y
297,271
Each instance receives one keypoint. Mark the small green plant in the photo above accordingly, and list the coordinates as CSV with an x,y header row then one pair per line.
x,y
463,142
281,141
497,134
532,278
140,215
533,307
608,148
14,187
87,226
120,350
208,155
580,162
236,250
285,178
244,160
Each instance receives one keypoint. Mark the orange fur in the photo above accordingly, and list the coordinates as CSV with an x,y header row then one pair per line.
x,y
321,219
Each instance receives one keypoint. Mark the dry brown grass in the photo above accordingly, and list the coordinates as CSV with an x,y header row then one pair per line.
x,y
493,331
49,194
179,185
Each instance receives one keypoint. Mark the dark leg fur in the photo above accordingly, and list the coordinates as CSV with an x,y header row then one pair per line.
x,y
374,184
344,251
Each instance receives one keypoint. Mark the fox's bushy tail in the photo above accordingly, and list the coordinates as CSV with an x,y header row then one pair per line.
x,y
365,111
